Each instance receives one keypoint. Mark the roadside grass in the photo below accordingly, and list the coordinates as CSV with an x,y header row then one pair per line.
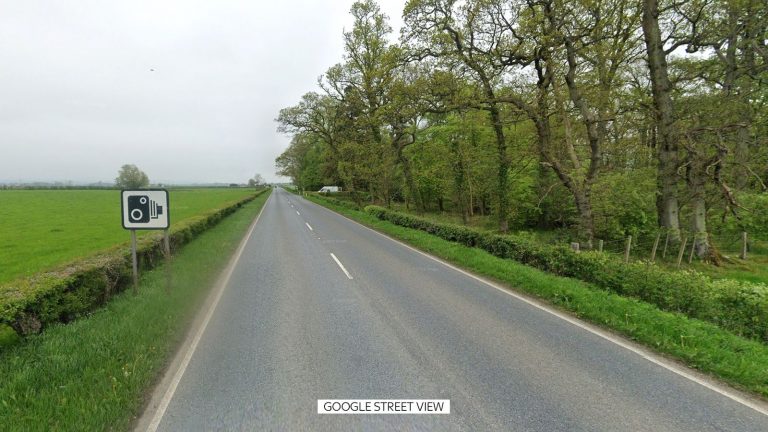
x,y
738,361
93,373
40,229
754,269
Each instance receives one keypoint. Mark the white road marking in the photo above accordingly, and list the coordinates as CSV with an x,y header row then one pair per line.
x,y
308,226
166,400
705,381
297,212
341,265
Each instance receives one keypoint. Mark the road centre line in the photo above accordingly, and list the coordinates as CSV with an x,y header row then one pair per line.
x,y
683,371
297,212
308,226
341,265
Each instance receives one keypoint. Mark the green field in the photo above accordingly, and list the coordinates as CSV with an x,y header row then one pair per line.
x,y
40,229
93,373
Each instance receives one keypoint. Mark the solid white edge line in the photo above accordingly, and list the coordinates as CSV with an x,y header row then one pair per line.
x,y
341,265
166,400
643,352
308,226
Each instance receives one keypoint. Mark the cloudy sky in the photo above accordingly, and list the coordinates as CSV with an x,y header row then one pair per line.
x,y
187,90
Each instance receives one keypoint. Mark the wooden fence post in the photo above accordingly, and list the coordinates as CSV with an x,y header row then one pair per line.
x,y
682,251
666,243
655,246
627,249
693,247
575,246
599,245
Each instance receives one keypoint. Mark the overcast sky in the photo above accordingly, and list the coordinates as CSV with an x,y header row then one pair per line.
x,y
187,90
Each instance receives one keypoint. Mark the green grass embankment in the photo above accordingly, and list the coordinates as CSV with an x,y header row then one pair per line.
x,y
93,373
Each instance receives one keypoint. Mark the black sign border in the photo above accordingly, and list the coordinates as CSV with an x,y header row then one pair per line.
x,y
122,208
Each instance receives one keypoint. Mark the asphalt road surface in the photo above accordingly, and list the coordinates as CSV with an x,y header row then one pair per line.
x,y
293,325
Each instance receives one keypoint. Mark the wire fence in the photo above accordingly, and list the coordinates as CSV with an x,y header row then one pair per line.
x,y
663,247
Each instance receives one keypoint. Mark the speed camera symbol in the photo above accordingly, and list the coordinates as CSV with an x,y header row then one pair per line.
x,y
141,209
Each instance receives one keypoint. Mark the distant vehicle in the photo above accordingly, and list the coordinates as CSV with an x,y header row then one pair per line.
x,y
330,189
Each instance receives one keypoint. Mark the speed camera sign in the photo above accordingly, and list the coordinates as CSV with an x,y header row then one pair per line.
x,y
145,209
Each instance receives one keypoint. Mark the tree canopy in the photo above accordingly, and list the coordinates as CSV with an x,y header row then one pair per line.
x,y
131,177
602,117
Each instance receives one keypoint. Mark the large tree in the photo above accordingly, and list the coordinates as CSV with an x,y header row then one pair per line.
x,y
131,177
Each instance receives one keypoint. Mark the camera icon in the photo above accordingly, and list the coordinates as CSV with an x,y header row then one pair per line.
x,y
141,209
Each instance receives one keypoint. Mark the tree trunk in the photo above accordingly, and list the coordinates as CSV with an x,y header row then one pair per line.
x,y
697,179
586,219
667,149
699,227
459,180
503,167
405,163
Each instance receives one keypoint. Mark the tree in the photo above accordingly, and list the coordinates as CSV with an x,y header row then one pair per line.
x,y
131,177
448,31
626,106
257,181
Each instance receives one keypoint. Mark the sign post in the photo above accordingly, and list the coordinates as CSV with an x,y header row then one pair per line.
x,y
135,263
145,209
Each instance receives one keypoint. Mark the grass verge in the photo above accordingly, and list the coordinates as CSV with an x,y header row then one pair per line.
x,y
92,374
738,361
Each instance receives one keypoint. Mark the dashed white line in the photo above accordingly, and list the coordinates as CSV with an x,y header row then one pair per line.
x,y
297,212
341,265
308,226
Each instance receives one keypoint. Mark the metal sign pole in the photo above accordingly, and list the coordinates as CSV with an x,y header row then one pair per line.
x,y
167,247
135,263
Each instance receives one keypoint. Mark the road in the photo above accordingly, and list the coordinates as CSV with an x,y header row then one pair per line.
x,y
291,327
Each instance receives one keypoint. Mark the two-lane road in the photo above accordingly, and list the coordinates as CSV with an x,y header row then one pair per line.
x,y
319,307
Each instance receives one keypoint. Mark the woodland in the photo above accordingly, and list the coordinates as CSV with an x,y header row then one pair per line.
x,y
597,118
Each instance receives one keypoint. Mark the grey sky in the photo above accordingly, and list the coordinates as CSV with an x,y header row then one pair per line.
x,y
187,90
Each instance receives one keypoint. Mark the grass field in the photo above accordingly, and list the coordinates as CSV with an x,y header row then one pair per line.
x,y
92,374
40,229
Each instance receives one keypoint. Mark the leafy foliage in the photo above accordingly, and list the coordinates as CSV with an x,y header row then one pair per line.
x,y
131,177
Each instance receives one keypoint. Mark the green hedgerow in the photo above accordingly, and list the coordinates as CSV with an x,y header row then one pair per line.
x,y
739,307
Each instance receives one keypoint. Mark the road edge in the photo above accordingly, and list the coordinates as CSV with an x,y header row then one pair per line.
x,y
163,392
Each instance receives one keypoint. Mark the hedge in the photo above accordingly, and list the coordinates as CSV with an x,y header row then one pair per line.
x,y
27,305
339,202
739,307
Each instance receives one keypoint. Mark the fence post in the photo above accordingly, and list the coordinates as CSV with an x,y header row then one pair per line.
x,y
655,246
575,246
666,243
599,245
693,247
743,245
627,249
682,251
